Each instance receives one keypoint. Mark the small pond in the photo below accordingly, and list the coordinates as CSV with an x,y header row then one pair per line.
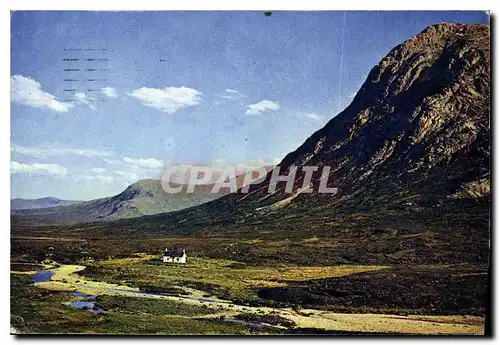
x,y
42,276
88,304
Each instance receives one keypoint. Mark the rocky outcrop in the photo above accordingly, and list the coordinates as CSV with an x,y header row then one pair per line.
x,y
418,127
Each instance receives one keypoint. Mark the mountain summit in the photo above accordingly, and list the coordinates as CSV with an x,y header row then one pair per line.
x,y
410,157
145,197
417,131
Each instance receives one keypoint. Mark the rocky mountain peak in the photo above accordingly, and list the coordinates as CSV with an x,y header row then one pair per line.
x,y
419,123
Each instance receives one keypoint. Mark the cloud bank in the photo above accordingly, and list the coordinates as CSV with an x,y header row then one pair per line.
x,y
144,163
261,107
109,92
169,100
29,92
45,152
38,169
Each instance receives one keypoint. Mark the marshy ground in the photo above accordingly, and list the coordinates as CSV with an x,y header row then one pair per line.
x,y
141,295
361,273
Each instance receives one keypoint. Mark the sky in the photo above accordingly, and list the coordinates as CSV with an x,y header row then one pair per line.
x,y
100,100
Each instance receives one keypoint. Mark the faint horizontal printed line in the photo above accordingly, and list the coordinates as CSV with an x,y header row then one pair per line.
x,y
85,49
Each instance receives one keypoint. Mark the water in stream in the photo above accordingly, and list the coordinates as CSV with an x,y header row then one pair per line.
x,y
84,302
42,276
89,304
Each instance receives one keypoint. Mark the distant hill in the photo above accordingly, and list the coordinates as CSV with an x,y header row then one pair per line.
x,y
145,197
27,204
410,157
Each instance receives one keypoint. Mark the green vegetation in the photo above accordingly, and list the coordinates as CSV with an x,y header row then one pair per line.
x,y
274,320
423,290
38,311
249,258
431,261
156,307
329,235
144,197
223,278
434,289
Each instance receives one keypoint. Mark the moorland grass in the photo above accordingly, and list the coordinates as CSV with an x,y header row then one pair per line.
x,y
39,311
217,276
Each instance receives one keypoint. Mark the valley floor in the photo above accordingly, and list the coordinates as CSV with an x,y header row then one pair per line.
x,y
141,295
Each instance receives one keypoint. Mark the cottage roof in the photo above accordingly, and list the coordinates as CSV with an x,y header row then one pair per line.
x,y
174,253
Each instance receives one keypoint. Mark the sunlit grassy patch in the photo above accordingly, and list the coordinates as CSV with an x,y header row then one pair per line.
x,y
311,239
220,274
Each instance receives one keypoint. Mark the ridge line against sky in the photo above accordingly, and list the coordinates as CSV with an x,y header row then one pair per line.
x,y
100,100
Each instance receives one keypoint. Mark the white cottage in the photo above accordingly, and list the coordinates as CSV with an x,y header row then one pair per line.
x,y
178,256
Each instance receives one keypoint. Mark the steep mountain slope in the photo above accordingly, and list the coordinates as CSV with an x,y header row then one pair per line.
x,y
145,197
418,129
26,204
410,157
417,134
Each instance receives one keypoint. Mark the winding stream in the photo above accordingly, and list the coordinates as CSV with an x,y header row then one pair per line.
x,y
65,278
89,303
42,276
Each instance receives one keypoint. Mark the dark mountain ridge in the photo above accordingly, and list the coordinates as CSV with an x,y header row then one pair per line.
x,y
418,128
410,157
25,204
145,197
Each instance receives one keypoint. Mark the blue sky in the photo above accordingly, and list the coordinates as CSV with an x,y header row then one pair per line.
x,y
181,87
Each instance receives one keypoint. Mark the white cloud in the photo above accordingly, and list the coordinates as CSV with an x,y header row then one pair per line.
x,y
29,92
169,100
46,152
109,92
38,169
144,163
127,175
314,116
98,170
113,161
232,94
262,106
83,99
119,176
101,178
130,170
